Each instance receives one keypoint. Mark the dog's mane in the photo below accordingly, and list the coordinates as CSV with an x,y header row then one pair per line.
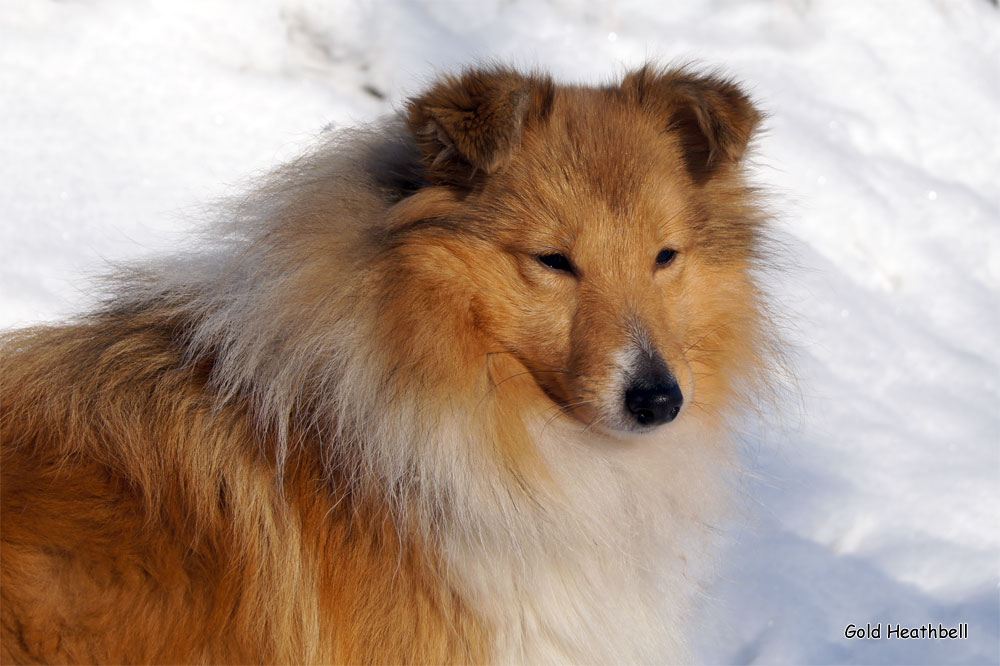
x,y
237,297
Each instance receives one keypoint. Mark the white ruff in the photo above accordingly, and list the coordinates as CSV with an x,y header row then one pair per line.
x,y
602,564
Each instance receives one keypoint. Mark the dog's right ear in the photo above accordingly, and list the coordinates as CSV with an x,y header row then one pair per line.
x,y
712,117
471,124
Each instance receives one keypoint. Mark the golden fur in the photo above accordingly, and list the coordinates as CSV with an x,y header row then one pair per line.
x,y
370,424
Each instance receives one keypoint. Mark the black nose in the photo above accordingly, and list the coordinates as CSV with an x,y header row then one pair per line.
x,y
654,404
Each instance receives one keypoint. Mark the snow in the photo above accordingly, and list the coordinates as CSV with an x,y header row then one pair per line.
x,y
878,498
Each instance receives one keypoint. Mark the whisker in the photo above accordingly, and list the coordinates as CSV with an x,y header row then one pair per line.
x,y
710,333
699,404
699,348
565,410
527,372
494,385
547,365
593,423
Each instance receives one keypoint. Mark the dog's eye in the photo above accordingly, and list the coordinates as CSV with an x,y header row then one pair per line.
x,y
665,257
556,261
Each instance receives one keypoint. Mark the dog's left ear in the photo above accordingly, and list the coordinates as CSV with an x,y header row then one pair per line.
x,y
713,118
471,124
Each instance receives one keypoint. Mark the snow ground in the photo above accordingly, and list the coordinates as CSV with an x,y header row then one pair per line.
x,y
879,498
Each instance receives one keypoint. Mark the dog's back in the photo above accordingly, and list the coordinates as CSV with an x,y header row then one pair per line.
x,y
143,523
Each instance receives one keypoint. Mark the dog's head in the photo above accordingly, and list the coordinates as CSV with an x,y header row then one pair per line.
x,y
604,236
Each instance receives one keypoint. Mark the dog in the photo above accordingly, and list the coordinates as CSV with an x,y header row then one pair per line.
x,y
457,387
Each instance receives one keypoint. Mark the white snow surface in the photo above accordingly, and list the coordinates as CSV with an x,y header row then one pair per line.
x,y
877,499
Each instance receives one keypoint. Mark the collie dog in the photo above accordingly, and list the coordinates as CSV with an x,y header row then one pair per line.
x,y
459,387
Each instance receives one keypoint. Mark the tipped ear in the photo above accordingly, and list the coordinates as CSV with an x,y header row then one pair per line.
x,y
713,118
473,123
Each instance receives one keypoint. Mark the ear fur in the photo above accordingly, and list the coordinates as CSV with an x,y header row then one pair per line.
x,y
711,115
474,122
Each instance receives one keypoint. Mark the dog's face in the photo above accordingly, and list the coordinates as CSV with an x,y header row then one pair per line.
x,y
606,231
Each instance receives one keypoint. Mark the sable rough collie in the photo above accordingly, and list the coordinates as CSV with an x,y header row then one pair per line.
x,y
458,388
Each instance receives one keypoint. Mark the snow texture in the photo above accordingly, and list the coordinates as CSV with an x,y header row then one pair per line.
x,y
878,498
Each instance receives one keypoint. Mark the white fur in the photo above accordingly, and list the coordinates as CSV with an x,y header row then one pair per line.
x,y
601,567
